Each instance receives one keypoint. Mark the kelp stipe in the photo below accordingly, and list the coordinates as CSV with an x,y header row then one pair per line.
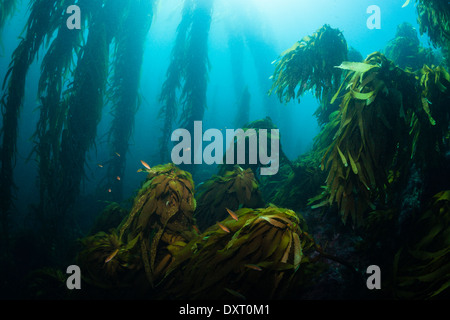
x,y
189,66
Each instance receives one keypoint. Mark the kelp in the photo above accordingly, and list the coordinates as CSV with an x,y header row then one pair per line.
x,y
256,259
376,134
232,190
429,123
266,124
124,90
161,217
174,75
56,66
242,115
107,261
84,105
193,93
406,51
300,184
110,217
422,265
363,146
44,19
433,17
189,67
310,65
236,45
7,9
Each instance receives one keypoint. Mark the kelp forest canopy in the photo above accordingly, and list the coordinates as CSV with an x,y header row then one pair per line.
x,y
375,180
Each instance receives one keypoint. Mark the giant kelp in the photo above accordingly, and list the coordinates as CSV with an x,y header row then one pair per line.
x,y
433,17
44,19
257,258
373,143
174,76
161,216
310,65
71,91
188,70
406,51
422,265
232,190
157,240
257,125
7,9
124,89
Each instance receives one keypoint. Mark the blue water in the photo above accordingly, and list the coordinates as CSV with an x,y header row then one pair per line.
x,y
278,24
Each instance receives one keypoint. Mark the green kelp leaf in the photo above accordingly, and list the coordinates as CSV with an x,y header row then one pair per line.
x,y
344,161
276,266
352,163
426,108
356,66
293,48
362,96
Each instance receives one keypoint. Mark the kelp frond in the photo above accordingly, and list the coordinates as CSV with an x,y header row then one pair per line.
x,y
362,150
406,51
421,266
124,91
44,19
232,190
7,9
162,216
377,133
310,65
434,17
255,259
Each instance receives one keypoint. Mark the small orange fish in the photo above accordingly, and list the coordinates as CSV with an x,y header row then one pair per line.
x,y
101,166
253,266
145,164
118,178
109,190
196,229
117,154
111,256
232,214
223,227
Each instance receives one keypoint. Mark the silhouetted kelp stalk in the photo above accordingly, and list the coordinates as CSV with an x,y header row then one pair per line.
x,y
7,9
192,46
70,113
56,66
174,75
236,47
124,91
243,114
44,19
